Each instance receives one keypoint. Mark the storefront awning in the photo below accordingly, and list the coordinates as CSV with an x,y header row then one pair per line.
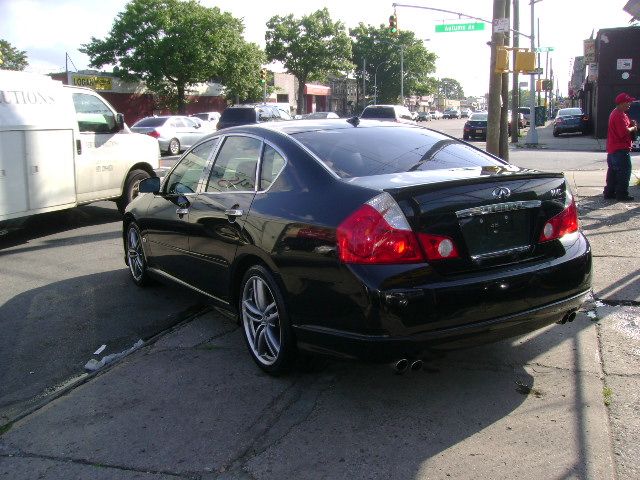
x,y
321,90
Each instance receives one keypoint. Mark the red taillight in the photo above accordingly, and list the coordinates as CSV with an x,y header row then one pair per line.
x,y
378,233
563,223
154,134
437,247
585,118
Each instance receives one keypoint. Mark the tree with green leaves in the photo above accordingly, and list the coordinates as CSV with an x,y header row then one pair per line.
x,y
243,80
11,58
173,45
311,47
381,49
450,88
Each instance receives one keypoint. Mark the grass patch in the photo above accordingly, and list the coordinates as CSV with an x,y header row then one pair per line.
x,y
5,428
607,395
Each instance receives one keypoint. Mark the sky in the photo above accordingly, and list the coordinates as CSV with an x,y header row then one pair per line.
x,y
46,29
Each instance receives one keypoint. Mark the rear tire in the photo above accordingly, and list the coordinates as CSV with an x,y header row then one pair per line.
x,y
174,147
556,133
265,322
465,137
131,188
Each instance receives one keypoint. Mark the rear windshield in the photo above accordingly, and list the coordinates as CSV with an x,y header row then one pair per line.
x,y
478,117
242,114
565,112
378,112
362,152
150,122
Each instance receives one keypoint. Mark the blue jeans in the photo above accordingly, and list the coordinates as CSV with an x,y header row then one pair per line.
x,y
618,174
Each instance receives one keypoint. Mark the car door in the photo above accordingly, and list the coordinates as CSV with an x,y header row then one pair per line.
x,y
97,150
218,214
193,130
167,221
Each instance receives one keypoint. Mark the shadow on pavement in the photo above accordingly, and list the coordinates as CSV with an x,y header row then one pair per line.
x,y
54,330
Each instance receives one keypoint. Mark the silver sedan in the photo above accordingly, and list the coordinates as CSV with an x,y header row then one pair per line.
x,y
174,133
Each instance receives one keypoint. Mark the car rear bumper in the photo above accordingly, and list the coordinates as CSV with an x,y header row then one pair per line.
x,y
411,321
382,348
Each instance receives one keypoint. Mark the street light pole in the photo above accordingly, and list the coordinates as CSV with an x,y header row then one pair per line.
x,y
375,83
532,135
402,73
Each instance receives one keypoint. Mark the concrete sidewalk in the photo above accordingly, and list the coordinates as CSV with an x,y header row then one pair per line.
x,y
193,405
567,142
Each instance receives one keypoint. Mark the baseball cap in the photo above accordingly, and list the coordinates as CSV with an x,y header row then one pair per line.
x,y
624,98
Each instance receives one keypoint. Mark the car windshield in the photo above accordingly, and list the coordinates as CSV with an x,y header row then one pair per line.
x,y
478,117
241,114
378,112
567,112
362,152
150,122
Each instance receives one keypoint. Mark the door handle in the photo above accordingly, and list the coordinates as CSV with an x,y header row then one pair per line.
x,y
182,211
233,212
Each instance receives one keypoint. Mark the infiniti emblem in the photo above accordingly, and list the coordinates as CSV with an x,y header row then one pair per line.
x,y
501,193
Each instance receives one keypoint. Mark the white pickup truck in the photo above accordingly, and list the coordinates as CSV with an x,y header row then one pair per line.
x,y
64,146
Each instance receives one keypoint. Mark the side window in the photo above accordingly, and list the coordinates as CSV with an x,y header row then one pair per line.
x,y
272,164
178,123
235,166
93,115
185,177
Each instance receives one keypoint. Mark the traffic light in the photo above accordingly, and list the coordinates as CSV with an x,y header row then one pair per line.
x,y
538,85
263,75
502,60
525,61
393,23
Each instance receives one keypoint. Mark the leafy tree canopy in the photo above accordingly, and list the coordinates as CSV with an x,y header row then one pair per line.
x,y
11,58
310,47
381,49
450,88
173,44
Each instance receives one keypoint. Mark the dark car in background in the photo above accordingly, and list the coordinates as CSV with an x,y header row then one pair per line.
x,y
361,239
451,113
250,114
424,117
476,126
570,120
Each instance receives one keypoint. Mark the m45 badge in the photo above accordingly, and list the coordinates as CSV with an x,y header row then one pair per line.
x,y
556,192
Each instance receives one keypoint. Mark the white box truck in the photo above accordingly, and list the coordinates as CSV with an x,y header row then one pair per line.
x,y
63,146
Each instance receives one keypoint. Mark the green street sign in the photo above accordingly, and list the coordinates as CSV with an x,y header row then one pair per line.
x,y
544,49
460,27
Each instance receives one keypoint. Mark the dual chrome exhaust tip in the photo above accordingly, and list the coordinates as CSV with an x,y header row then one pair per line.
x,y
404,364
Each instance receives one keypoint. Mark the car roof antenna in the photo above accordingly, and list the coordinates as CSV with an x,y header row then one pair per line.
x,y
355,121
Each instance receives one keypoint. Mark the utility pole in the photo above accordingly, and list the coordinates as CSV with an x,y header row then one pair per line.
x,y
402,73
539,92
515,86
495,85
364,82
532,135
552,85
504,110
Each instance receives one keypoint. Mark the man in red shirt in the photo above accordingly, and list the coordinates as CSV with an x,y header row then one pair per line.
x,y
619,138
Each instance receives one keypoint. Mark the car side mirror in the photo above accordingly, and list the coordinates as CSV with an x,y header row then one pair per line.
x,y
197,125
150,185
120,121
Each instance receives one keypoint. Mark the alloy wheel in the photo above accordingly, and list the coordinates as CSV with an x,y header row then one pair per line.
x,y
261,320
135,254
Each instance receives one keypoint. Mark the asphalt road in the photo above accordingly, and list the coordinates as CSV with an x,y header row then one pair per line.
x,y
64,292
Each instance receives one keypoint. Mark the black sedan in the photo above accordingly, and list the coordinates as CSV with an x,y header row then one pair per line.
x,y
570,120
361,239
476,126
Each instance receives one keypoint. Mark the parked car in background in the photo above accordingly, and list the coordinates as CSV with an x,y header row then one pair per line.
x,y
173,132
391,113
320,115
520,121
250,114
570,120
435,114
424,117
465,113
451,113
526,113
361,239
476,126
211,117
